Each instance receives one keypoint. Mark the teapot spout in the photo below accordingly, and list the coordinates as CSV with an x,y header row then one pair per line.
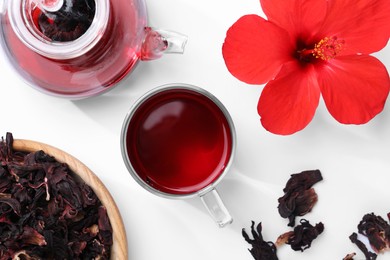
x,y
157,42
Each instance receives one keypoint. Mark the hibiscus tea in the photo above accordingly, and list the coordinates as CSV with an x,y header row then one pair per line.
x,y
178,141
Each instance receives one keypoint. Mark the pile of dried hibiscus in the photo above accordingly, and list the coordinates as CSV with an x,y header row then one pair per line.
x,y
46,211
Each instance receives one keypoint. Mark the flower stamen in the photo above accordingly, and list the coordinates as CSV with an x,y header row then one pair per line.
x,y
328,48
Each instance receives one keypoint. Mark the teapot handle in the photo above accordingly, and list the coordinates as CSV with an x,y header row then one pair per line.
x,y
157,42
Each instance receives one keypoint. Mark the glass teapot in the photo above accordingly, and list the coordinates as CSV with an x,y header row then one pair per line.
x,y
80,48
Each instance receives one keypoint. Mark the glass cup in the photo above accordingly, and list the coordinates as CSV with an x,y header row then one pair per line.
x,y
178,141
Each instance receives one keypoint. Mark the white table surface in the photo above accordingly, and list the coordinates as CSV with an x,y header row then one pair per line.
x,y
354,160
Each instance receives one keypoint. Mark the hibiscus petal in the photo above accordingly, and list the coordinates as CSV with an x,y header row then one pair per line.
x,y
301,18
288,103
364,25
255,49
355,88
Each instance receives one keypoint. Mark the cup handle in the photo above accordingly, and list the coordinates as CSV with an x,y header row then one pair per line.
x,y
216,208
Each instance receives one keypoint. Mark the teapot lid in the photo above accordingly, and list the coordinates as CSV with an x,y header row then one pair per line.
x,y
59,29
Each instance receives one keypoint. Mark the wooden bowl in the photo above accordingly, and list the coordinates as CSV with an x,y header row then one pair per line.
x,y
119,249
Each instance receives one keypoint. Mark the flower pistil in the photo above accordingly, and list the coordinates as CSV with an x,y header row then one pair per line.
x,y
326,49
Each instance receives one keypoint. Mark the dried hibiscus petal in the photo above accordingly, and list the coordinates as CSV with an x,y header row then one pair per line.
x,y
299,197
369,255
261,250
31,236
303,235
9,204
377,230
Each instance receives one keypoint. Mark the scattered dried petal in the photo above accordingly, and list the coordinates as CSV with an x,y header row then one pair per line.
x,y
369,255
377,230
303,235
299,197
261,250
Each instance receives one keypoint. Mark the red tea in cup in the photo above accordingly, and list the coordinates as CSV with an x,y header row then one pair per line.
x,y
178,141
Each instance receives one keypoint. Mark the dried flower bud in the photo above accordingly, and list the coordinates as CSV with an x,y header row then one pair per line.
x,y
261,250
303,235
299,197
377,230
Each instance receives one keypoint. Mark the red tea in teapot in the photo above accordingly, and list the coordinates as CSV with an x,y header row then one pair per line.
x,y
178,141
110,54
79,48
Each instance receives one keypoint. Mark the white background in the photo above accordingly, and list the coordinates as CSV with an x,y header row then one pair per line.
x,y
354,160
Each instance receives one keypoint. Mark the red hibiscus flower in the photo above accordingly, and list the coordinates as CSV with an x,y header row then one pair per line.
x,y
309,48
